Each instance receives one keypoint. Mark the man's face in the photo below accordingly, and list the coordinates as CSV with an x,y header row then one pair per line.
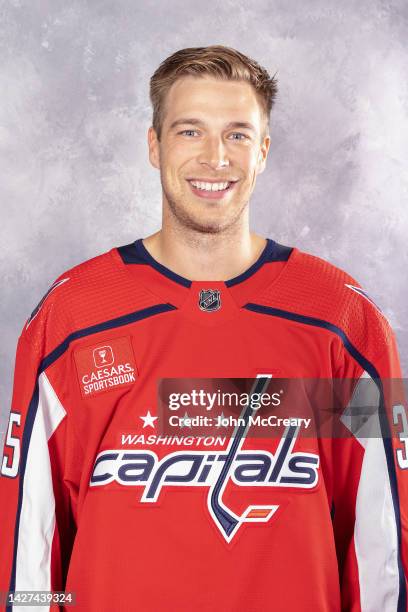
x,y
202,142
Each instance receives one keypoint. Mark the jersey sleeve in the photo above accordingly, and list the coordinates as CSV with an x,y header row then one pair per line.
x,y
370,501
36,510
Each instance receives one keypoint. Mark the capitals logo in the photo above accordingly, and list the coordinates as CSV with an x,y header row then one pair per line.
x,y
246,468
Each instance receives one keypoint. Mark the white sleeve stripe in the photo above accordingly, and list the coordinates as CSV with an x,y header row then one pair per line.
x,y
37,517
375,529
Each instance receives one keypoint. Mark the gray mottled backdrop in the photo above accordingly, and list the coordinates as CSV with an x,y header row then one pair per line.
x,y
74,112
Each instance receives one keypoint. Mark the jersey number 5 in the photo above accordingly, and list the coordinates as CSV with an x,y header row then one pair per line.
x,y
11,470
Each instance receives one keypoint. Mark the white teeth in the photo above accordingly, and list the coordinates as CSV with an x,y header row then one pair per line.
x,y
210,186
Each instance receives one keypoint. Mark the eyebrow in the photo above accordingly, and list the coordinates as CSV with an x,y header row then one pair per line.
x,y
232,124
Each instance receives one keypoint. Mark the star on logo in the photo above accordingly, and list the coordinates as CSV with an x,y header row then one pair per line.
x,y
148,420
185,421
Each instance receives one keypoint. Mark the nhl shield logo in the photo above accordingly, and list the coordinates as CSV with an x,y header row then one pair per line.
x,y
209,300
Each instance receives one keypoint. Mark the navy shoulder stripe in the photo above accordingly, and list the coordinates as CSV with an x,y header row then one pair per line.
x,y
131,317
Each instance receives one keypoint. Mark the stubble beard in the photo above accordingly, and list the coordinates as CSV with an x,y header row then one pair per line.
x,y
180,209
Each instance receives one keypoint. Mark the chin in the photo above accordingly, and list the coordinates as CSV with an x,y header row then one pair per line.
x,y
208,229
208,226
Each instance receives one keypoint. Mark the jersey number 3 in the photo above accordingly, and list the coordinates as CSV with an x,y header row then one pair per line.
x,y
398,412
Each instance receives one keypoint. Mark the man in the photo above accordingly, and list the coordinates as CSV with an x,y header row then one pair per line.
x,y
98,500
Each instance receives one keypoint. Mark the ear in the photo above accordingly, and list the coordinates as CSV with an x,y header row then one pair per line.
x,y
263,154
154,147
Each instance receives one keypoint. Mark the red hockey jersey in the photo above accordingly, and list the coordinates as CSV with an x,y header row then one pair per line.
x,y
96,501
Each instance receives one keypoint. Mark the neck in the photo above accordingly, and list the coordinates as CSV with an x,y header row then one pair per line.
x,y
205,256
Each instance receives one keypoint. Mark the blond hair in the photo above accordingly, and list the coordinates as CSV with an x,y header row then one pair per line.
x,y
219,62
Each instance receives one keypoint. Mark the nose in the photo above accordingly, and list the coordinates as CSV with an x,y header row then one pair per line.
x,y
213,153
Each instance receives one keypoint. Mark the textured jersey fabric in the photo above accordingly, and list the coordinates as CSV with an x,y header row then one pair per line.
x,y
95,502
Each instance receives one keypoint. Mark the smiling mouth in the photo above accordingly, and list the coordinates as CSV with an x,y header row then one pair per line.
x,y
211,189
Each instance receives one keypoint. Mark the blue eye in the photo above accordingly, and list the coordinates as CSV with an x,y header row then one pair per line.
x,y
242,136
184,131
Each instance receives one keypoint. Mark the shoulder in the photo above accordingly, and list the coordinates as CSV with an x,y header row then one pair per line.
x,y
90,293
330,285
325,294
68,289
